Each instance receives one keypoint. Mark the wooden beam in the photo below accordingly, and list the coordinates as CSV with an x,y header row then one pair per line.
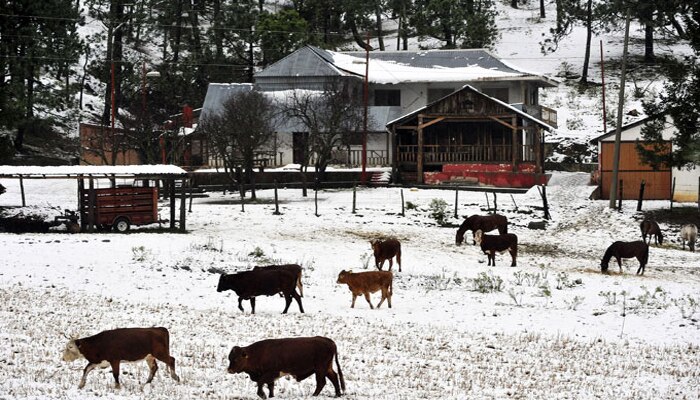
x,y
419,160
411,127
183,203
514,126
21,189
427,124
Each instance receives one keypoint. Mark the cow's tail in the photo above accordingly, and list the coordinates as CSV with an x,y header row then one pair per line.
x,y
340,371
300,285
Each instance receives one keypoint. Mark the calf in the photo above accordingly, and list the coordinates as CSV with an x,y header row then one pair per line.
x,y
261,282
268,360
490,244
367,283
109,348
485,223
649,227
386,250
293,268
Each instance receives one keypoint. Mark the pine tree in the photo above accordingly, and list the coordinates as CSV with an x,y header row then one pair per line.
x,y
459,23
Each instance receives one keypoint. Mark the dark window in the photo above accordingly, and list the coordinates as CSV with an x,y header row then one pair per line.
x,y
437,94
387,97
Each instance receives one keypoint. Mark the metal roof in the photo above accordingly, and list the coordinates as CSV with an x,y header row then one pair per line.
x,y
89,171
306,61
217,93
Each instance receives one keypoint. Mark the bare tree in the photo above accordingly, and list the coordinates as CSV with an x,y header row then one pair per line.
x,y
330,116
244,126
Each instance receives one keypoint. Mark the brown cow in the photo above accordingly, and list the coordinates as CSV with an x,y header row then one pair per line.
x,y
490,244
386,250
109,348
261,282
368,282
268,360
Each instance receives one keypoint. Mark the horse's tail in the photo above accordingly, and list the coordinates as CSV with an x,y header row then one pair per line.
x,y
398,256
340,371
606,258
645,255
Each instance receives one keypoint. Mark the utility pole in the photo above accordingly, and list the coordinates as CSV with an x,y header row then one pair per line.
x,y
365,97
620,108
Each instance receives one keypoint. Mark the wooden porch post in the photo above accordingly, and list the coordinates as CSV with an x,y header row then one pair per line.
x,y
538,150
394,155
419,160
91,206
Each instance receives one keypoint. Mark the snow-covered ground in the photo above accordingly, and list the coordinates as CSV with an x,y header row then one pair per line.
x,y
557,328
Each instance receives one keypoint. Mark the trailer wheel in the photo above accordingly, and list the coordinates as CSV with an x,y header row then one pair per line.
x,y
121,225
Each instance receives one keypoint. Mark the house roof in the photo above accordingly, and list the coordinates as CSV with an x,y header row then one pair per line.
x,y
217,93
87,171
524,115
624,128
392,67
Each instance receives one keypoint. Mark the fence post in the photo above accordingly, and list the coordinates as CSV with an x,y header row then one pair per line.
x,y
402,204
316,201
673,190
354,197
277,204
545,203
21,189
698,193
488,204
514,203
495,207
619,198
242,204
456,202
641,195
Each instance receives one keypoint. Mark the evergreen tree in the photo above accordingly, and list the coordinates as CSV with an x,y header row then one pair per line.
x,y
38,40
459,23
680,102
280,34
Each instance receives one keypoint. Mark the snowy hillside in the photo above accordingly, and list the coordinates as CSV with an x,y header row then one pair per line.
x,y
552,327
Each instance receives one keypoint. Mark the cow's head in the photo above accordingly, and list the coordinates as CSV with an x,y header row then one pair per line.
x,y
376,245
237,360
223,283
72,351
343,276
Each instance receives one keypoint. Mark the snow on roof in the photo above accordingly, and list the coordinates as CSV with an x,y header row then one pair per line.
x,y
74,171
390,72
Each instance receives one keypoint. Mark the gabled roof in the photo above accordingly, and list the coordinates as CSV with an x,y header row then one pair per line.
x,y
217,93
470,88
391,67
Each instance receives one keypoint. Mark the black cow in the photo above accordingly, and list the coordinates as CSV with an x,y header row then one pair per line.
x,y
109,348
268,360
261,282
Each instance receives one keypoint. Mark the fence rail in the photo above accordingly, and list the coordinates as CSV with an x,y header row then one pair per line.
x,y
468,153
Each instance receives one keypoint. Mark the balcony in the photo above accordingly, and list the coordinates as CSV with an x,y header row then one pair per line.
x,y
544,114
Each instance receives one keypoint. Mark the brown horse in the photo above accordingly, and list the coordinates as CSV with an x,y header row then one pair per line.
x,y
650,228
485,223
620,250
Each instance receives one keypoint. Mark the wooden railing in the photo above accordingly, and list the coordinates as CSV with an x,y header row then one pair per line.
x,y
354,157
461,154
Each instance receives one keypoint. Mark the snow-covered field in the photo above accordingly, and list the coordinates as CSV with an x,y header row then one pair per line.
x,y
557,328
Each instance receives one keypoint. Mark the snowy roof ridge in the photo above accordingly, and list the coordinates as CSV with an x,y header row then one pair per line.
x,y
35,171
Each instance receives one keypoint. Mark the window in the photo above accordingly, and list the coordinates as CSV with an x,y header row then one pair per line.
x,y
385,97
437,94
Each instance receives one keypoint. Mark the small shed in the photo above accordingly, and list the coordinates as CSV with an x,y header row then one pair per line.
x,y
632,171
94,204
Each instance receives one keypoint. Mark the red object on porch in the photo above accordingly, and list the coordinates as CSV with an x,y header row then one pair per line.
x,y
498,175
187,116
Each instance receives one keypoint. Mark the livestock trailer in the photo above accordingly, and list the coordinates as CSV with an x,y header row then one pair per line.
x,y
119,207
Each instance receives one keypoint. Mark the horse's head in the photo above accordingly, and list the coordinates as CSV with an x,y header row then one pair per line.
x,y
604,266
466,225
660,237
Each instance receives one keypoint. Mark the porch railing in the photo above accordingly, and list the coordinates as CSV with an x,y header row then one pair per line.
x,y
354,157
461,154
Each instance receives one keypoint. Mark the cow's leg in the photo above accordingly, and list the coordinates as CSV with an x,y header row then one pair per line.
x,y
153,366
252,305
86,371
298,299
354,297
115,372
619,262
240,303
333,376
383,297
380,264
260,390
513,255
391,263
288,302
367,298
320,381
170,362
271,388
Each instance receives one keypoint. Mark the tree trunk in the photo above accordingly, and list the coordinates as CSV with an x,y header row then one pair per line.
x,y
380,34
251,57
178,32
356,35
196,34
589,34
542,14
649,43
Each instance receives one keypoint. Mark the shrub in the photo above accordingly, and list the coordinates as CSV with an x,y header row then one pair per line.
x,y
437,210
487,282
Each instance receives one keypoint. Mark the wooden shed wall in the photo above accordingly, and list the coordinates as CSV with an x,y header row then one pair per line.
x,y
632,171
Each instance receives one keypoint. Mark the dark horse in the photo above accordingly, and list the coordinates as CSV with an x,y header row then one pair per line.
x,y
620,250
485,223
650,228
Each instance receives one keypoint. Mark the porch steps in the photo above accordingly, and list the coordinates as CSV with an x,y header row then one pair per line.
x,y
380,178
